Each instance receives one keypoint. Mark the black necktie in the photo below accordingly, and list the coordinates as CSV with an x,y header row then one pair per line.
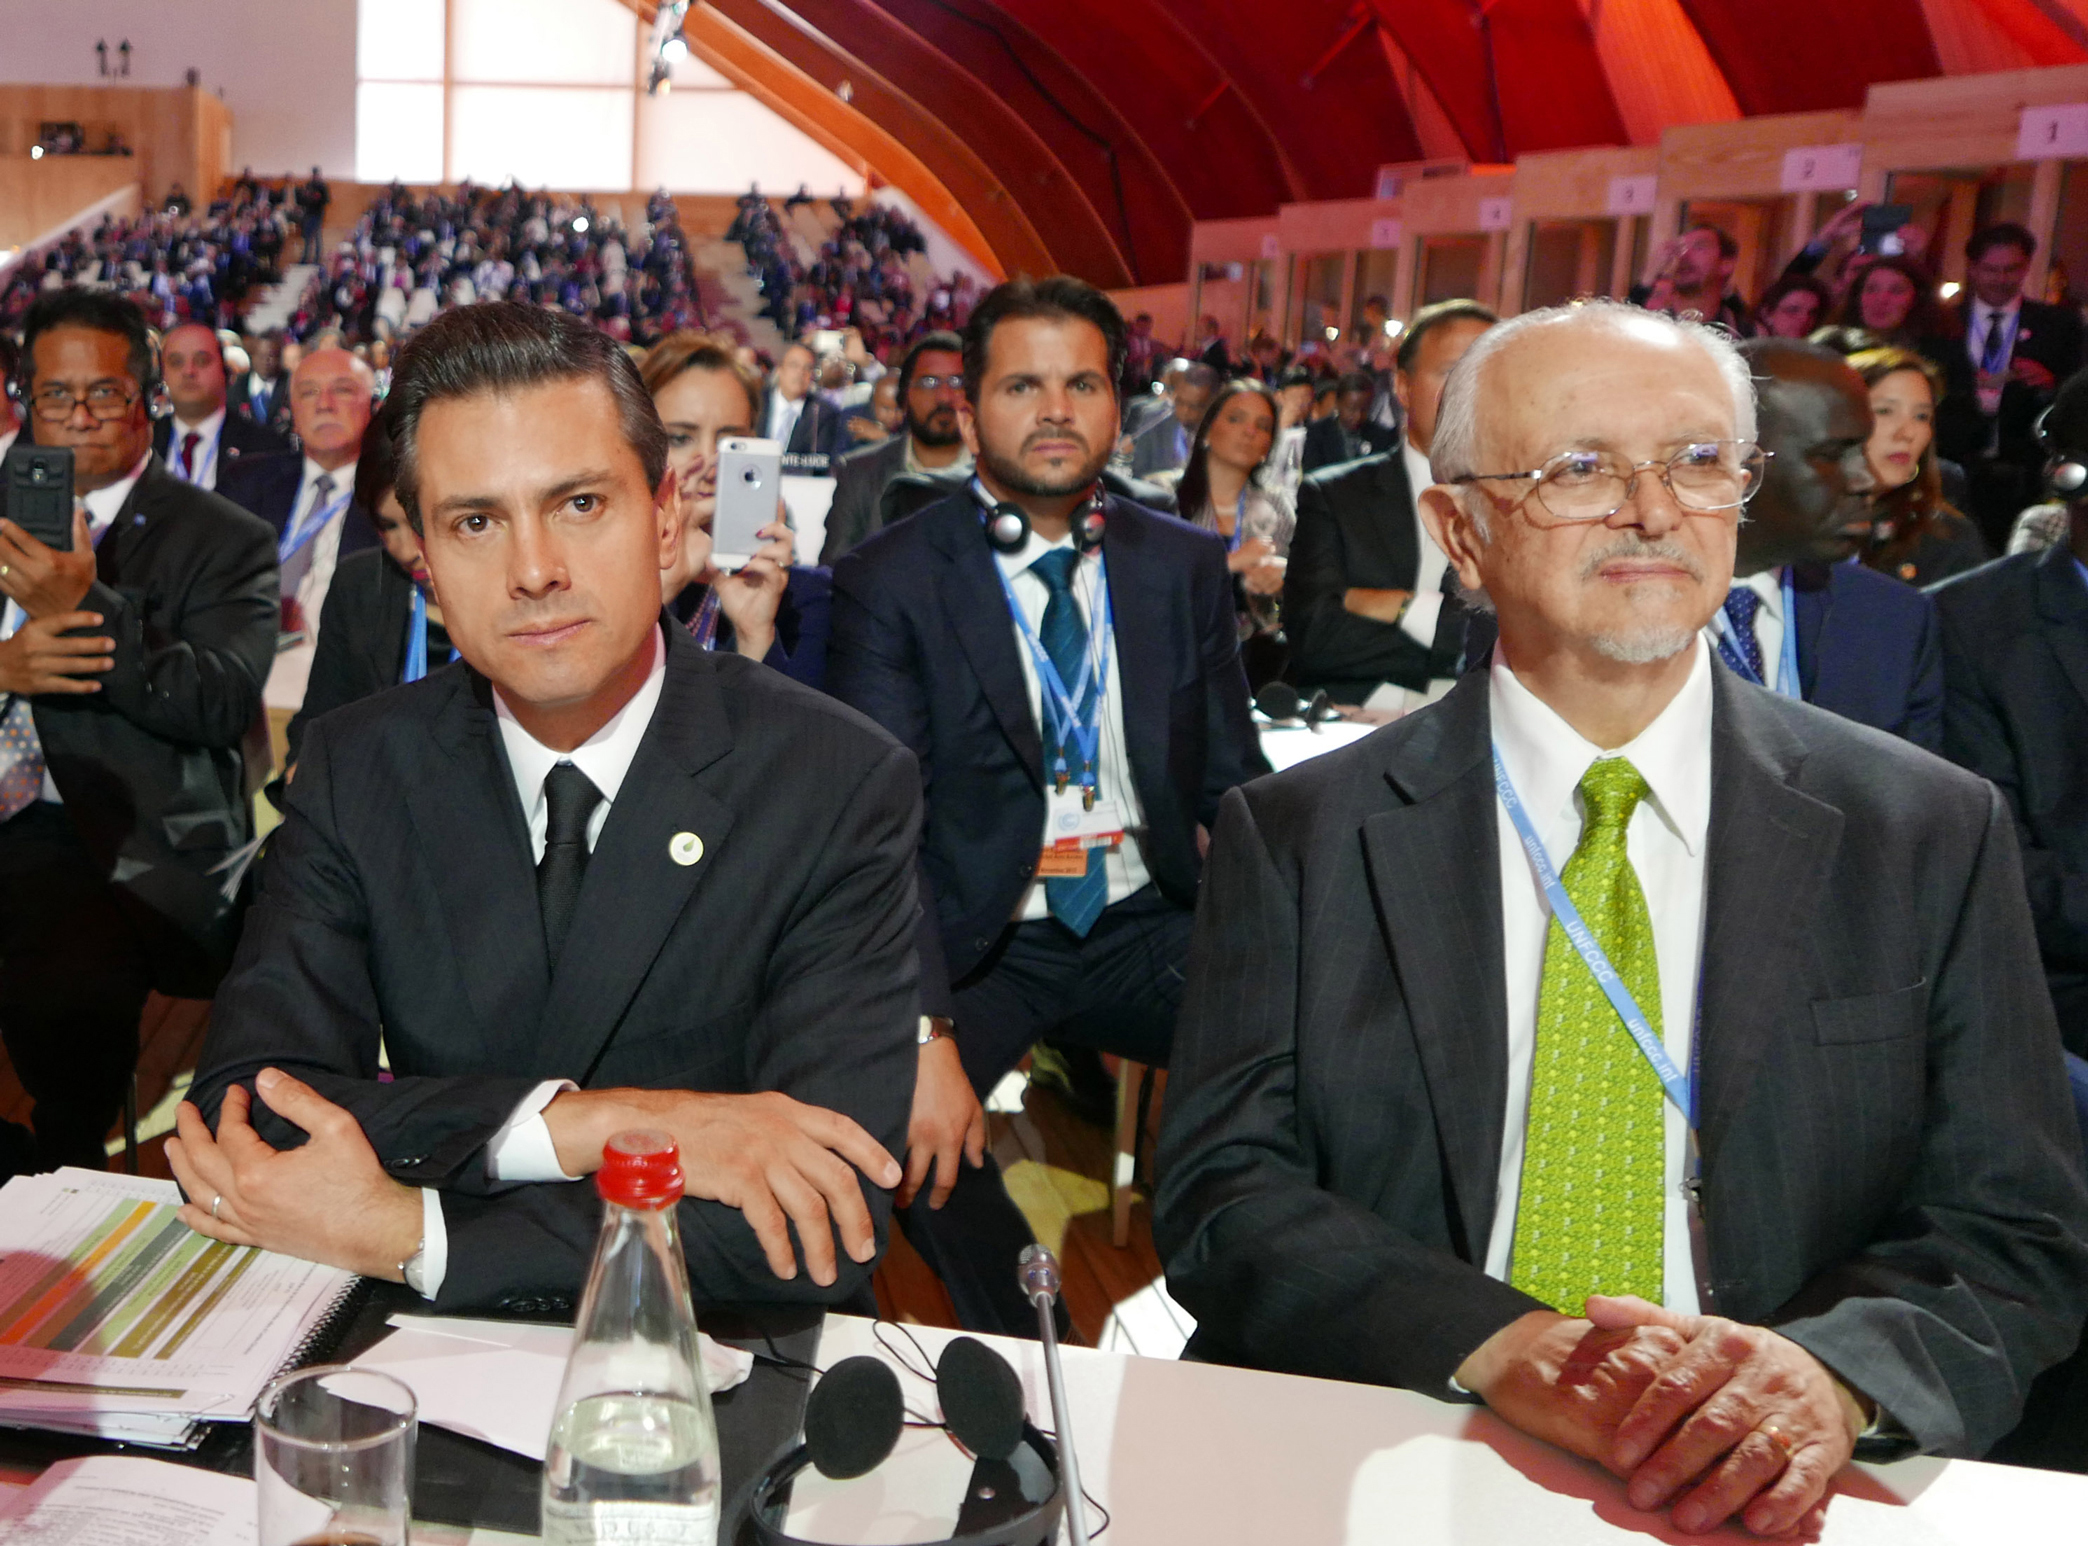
x,y
570,800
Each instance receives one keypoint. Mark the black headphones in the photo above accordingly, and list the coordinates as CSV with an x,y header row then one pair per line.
x,y
158,405
854,1417
2066,470
1008,525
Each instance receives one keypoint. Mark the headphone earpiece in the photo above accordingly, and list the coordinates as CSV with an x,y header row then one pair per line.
x,y
853,1418
1008,528
2066,470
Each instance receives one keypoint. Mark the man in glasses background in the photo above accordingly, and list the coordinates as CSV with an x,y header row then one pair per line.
x,y
131,667
1675,1191
931,385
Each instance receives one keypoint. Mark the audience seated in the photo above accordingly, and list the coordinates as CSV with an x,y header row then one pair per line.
x,y
1916,534
201,438
1220,492
1349,432
1691,276
930,384
1162,444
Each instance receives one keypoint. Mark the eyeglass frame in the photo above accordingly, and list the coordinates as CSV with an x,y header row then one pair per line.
x,y
937,383
1631,471
74,401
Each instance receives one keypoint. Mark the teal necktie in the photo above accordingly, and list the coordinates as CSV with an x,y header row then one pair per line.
x,y
1590,1218
1076,901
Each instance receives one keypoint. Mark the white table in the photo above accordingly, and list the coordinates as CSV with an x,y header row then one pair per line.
x,y
1288,745
1194,1453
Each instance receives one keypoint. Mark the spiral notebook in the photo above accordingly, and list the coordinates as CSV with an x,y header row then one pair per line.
x,y
117,1321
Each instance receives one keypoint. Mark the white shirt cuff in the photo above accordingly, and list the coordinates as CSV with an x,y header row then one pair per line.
x,y
1419,624
522,1150
434,1243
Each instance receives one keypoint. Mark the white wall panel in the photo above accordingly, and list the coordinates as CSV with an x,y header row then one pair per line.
x,y
546,136
398,132
726,141
399,40
572,42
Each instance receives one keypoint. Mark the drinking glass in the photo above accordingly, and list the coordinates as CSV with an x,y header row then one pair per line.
x,y
333,1458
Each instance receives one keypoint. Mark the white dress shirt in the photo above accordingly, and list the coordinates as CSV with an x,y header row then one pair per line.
x,y
7,436
102,507
522,1149
1425,611
783,416
210,435
1981,322
1546,758
1125,867
326,547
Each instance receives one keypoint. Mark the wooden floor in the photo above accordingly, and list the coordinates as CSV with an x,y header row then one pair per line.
x,y
1057,1168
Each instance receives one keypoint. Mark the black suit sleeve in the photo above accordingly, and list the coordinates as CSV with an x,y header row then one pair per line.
x,y
1256,1247
1329,643
1235,753
200,685
873,666
1976,1279
1924,723
341,673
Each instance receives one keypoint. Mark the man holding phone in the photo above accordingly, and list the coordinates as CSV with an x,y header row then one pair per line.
x,y
138,627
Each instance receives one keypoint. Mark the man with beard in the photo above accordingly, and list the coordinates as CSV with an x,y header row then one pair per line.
x,y
1065,665
1867,646
931,385
1657,1060
1690,277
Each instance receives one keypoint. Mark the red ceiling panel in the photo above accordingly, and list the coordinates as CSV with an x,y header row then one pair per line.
x,y
1797,56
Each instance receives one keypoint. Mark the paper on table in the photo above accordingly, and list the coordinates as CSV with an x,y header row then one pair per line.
x,y
121,1500
498,1380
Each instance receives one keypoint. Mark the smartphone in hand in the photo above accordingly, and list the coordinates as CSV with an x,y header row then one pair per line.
x,y
39,483
750,482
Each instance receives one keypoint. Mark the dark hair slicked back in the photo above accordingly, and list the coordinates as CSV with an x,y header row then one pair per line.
x,y
2003,233
1061,297
98,311
1429,318
505,346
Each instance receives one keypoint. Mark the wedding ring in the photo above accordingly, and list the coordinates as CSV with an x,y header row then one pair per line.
x,y
4,568
215,1199
1778,1437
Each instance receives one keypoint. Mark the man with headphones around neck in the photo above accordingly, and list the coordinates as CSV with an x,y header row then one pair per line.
x,y
1065,665
131,667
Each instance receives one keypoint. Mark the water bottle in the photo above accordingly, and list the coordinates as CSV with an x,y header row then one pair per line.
x,y
633,1455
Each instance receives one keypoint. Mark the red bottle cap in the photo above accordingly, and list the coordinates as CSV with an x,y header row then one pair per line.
x,y
640,1170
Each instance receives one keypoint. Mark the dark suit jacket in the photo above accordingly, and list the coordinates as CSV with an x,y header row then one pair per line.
x,y
803,624
1326,447
267,485
1869,650
859,479
2050,335
362,638
240,437
1356,527
400,893
150,767
274,413
1892,1171
818,429
1154,448
2015,656
923,644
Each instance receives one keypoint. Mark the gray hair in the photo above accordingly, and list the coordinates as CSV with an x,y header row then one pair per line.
x,y
1459,425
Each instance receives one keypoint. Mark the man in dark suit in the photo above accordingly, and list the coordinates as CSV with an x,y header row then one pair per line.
x,y
1348,432
1867,646
1050,900
931,385
261,393
799,419
2015,661
2001,366
1162,444
201,439
1364,597
594,878
132,666
1411,1138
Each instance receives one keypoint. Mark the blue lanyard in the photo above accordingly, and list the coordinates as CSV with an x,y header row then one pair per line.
x,y
1729,650
303,531
1062,708
1680,1089
417,639
703,627
1239,524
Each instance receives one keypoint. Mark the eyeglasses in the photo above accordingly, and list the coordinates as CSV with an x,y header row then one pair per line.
x,y
938,383
1704,476
106,400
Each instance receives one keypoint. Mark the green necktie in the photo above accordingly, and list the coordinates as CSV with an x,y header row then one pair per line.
x,y
1590,1217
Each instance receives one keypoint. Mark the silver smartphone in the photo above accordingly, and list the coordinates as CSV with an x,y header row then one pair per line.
x,y
750,486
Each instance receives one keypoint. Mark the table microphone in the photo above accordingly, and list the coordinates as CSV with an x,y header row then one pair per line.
x,y
1039,1278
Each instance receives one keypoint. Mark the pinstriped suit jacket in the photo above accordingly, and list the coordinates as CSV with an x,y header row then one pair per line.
x,y
1892,1172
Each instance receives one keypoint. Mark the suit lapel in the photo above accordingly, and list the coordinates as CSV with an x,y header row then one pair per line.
x,y
470,823
1768,854
137,525
2062,600
1139,613
1446,940
977,608
641,876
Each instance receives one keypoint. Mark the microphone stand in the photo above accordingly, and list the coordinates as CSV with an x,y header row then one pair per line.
x,y
1040,1281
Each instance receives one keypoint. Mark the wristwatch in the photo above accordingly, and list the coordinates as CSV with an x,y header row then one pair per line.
x,y
935,1028
414,1268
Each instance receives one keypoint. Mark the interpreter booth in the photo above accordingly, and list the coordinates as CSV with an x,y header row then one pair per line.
x,y
1337,254
1456,234
1967,151
1767,182
1580,225
1236,274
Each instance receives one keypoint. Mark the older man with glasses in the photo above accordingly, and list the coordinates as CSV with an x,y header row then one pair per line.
x,y
131,667
1705,1115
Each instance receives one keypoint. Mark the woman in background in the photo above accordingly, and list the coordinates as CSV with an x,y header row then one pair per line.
x,y
1220,492
1916,535
774,611
1895,300
1792,307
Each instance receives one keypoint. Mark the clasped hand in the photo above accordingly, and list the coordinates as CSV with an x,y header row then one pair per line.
x,y
49,585
1701,1415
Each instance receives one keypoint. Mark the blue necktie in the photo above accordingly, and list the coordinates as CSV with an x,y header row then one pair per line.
x,y
1741,604
1076,901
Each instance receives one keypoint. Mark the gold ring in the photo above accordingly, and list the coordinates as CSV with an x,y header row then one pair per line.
x,y
4,568
216,1198
1778,1437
